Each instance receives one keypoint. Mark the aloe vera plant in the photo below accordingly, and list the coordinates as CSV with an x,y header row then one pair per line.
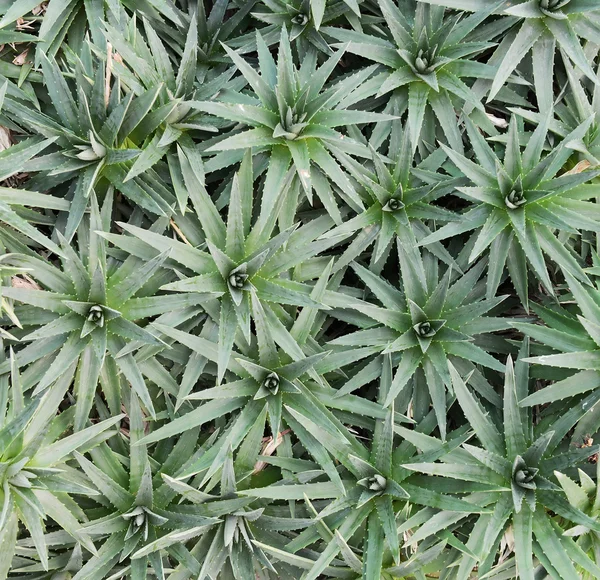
x,y
428,55
91,319
520,204
37,483
512,459
294,114
431,324
542,27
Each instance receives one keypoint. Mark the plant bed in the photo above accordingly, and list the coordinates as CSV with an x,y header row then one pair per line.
x,y
299,290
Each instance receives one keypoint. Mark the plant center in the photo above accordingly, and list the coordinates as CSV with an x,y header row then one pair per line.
x,y
237,280
393,204
515,199
96,315
524,476
552,5
139,518
376,483
16,476
425,60
290,125
424,329
271,383
301,19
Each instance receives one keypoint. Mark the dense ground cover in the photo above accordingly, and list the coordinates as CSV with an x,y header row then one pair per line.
x,y
299,290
